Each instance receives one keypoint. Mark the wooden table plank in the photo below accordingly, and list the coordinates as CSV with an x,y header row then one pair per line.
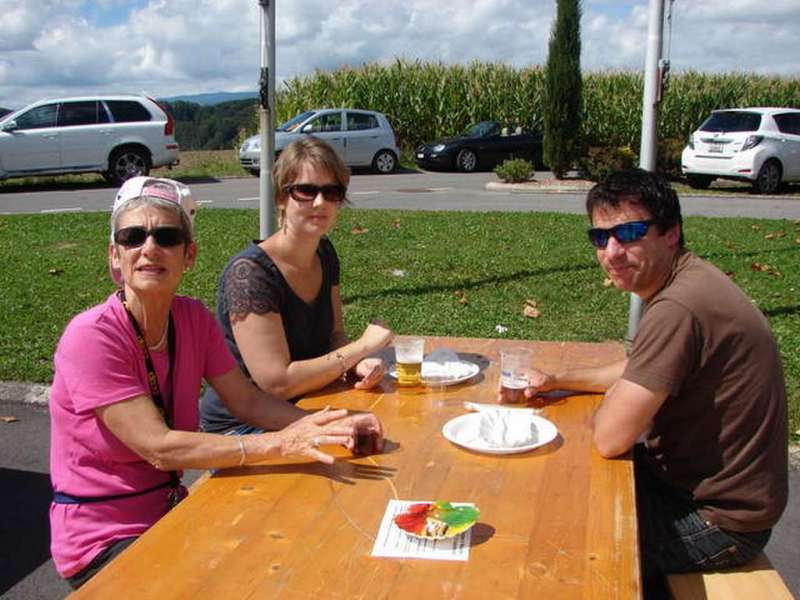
x,y
558,522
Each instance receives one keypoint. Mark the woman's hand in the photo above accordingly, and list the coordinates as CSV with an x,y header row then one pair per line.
x,y
376,336
369,434
369,372
323,428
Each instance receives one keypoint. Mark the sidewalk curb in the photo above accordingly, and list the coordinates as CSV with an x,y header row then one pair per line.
x,y
532,187
24,393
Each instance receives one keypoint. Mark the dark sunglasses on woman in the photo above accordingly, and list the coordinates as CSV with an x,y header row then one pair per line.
x,y
166,237
624,233
307,192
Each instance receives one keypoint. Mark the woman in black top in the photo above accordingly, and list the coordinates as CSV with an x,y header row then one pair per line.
x,y
278,300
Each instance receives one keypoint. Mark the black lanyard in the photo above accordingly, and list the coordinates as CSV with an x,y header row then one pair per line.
x,y
167,411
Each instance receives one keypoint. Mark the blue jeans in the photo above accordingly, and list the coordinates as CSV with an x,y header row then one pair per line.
x,y
674,538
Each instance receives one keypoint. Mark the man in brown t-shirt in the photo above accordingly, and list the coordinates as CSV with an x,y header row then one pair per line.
x,y
703,385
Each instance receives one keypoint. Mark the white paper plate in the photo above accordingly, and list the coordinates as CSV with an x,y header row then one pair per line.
x,y
467,371
463,431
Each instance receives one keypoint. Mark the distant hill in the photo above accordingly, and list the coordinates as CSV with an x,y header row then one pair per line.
x,y
212,127
211,98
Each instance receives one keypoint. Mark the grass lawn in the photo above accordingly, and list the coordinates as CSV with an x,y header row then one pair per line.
x,y
459,274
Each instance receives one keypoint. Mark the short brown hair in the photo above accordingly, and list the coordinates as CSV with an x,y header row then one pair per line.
x,y
313,151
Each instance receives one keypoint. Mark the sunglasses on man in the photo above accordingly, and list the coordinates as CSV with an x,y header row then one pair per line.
x,y
133,237
624,233
307,192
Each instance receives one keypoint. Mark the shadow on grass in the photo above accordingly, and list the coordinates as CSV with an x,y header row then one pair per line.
x,y
780,311
24,524
466,284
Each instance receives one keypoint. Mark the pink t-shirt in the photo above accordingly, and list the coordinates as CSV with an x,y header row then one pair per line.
x,y
98,362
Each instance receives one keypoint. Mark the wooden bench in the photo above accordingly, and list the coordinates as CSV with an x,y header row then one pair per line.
x,y
755,580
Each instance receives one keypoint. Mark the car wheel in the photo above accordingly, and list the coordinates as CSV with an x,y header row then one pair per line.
x,y
466,161
126,163
699,182
769,178
254,172
384,162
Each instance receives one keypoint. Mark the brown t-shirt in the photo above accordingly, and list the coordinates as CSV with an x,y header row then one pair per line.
x,y
721,434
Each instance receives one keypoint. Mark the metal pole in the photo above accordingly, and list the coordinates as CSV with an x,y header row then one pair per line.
x,y
650,99
266,193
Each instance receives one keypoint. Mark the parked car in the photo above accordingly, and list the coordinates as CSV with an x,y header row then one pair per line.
x,y
482,145
119,136
363,138
761,145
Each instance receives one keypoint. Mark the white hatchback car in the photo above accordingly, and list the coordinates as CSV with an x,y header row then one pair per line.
x,y
363,138
761,145
119,136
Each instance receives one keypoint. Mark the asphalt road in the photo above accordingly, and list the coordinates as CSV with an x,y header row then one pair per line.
x,y
403,190
26,570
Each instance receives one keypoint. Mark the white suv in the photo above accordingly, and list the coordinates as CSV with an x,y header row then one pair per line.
x,y
118,136
761,145
363,138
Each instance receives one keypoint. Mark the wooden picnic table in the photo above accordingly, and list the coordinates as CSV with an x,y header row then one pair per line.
x,y
556,522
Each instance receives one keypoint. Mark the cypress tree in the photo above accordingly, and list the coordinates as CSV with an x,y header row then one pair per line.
x,y
563,89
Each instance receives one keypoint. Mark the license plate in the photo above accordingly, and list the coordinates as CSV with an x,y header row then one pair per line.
x,y
715,147
420,155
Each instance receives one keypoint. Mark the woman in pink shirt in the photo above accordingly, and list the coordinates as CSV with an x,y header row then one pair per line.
x,y
125,393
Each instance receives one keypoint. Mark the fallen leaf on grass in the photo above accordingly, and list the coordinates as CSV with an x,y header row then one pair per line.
x,y
396,223
500,329
56,271
462,297
777,234
765,268
9,419
358,229
530,309
732,246
755,227
731,274
607,282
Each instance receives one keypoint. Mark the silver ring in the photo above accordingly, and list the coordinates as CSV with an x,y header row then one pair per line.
x,y
315,442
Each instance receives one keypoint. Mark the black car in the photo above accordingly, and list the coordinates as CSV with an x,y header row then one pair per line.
x,y
483,145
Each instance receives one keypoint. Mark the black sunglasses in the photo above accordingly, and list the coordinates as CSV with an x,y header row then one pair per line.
x,y
166,237
624,233
307,192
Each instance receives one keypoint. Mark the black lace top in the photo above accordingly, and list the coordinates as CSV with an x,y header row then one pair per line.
x,y
252,283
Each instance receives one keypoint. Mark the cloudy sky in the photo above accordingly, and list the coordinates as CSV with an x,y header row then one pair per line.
x,y
174,47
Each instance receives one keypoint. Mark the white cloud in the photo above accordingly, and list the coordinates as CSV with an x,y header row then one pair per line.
x,y
170,47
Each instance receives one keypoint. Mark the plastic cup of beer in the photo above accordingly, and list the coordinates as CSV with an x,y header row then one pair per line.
x,y
515,365
409,352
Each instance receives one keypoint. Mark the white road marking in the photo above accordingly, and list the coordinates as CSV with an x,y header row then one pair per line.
x,y
444,189
205,201
368,193
247,199
60,210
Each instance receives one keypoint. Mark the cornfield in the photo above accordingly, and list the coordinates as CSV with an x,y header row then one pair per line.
x,y
424,101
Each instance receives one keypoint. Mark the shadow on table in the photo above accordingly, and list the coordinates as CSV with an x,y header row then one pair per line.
x,y
342,471
24,524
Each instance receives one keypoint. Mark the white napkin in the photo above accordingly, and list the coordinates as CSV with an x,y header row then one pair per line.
x,y
505,428
444,364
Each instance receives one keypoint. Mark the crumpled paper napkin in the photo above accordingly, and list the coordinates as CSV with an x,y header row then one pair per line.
x,y
505,428
444,364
